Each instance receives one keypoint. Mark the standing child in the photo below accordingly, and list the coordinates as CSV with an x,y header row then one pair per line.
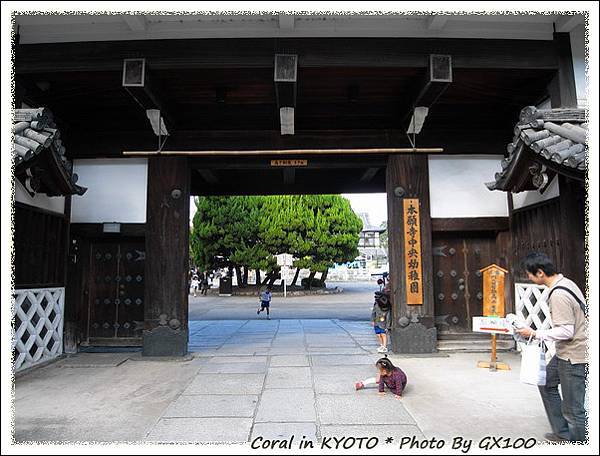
x,y
204,284
381,320
265,301
194,285
389,375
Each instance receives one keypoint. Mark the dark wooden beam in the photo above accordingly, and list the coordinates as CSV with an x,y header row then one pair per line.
x,y
149,96
430,88
375,162
369,174
453,142
285,78
470,224
26,91
563,92
270,182
258,53
289,176
95,230
208,176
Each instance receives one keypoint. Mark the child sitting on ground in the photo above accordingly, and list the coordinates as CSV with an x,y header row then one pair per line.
x,y
389,375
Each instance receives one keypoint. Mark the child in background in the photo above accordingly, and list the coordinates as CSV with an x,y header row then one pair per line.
x,y
380,319
389,375
204,284
195,285
265,302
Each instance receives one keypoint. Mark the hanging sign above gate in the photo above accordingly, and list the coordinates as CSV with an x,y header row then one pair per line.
x,y
412,252
289,162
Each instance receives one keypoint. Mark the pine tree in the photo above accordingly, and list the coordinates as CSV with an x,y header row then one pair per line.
x,y
247,232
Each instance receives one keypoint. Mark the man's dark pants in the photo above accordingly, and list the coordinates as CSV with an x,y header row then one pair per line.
x,y
567,415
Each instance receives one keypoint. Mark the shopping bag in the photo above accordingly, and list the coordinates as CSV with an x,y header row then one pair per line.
x,y
533,363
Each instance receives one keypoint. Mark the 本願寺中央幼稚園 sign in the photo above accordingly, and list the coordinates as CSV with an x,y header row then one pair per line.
x,y
412,252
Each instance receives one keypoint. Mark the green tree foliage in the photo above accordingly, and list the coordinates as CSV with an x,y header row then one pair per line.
x,y
318,230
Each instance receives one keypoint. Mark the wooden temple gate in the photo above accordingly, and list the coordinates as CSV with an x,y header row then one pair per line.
x,y
218,98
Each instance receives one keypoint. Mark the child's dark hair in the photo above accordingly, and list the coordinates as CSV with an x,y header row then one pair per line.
x,y
385,364
535,261
382,299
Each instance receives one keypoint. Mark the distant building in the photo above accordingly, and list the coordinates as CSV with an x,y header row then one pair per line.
x,y
369,243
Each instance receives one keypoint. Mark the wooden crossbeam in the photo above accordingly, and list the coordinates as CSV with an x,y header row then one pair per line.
x,y
566,23
285,78
437,21
148,96
200,153
312,163
136,23
258,53
209,176
286,22
289,176
369,174
431,86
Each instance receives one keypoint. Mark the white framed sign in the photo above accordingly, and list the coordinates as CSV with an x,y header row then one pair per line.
x,y
284,259
492,325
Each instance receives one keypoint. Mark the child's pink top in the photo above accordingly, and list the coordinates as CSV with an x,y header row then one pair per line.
x,y
396,381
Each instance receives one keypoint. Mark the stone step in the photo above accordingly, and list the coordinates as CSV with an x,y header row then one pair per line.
x,y
474,346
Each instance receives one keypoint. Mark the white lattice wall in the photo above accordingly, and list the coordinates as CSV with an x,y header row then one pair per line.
x,y
532,306
38,326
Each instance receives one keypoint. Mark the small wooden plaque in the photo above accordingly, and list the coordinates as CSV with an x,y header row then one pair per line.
x,y
288,162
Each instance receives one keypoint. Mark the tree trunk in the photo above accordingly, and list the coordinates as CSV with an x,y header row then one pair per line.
x,y
324,276
267,278
293,284
245,277
257,281
273,278
310,279
238,274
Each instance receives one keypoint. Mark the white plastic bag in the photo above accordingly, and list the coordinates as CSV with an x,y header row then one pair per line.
x,y
533,363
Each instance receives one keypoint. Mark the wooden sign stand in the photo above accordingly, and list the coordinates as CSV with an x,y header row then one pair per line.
x,y
493,306
493,365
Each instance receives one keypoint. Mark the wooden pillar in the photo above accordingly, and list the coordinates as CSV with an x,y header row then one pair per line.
x,y
572,230
563,94
413,326
562,89
167,257
72,303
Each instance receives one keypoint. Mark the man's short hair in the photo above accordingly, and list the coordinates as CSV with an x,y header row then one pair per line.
x,y
536,261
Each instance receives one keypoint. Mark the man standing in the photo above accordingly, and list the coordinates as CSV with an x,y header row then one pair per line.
x,y
569,366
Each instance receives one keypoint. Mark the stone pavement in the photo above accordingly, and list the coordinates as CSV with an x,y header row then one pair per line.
x,y
272,379
354,303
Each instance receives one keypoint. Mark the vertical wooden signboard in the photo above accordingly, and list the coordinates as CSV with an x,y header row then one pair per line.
x,y
493,291
493,306
412,252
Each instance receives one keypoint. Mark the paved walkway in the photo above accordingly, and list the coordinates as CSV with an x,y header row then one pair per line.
x,y
272,379
354,303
